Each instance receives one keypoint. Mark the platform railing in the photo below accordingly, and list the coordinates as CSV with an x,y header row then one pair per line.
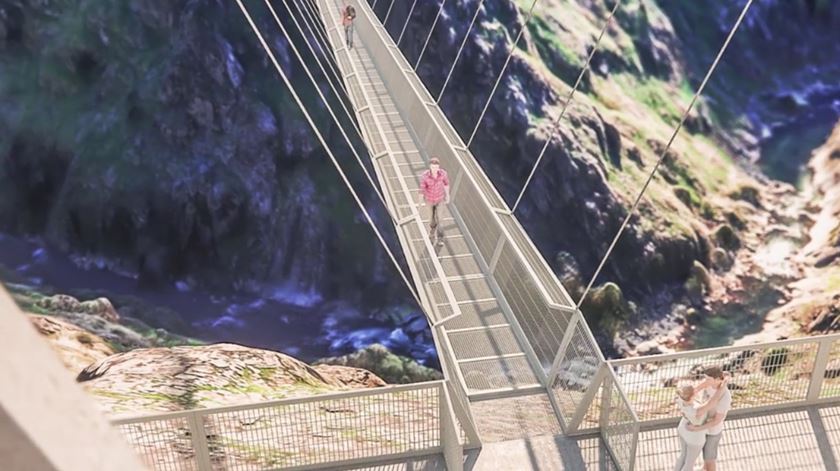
x,y
765,376
335,430
619,425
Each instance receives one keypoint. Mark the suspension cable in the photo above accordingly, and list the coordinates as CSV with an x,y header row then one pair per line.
x,y
502,72
556,125
347,112
330,59
407,19
387,14
326,103
321,65
665,151
460,49
429,36
329,151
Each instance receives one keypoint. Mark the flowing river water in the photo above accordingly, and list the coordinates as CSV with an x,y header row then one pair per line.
x,y
282,319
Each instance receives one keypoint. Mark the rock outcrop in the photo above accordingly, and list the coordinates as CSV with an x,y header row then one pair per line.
x,y
392,368
98,317
77,347
179,378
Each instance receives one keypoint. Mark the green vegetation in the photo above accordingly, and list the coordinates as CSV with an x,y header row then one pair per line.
x,y
560,60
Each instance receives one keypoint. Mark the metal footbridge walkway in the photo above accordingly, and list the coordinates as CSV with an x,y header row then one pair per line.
x,y
498,312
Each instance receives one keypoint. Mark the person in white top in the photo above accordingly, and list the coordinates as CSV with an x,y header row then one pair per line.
x,y
694,414
716,381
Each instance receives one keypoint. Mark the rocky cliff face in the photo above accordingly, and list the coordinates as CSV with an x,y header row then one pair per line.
x,y
182,378
641,79
156,135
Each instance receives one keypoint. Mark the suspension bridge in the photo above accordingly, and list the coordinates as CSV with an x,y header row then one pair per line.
x,y
526,385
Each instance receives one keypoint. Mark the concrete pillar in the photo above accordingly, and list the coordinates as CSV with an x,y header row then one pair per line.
x,y
47,422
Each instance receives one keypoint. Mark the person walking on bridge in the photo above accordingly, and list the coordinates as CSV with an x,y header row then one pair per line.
x,y
348,15
434,190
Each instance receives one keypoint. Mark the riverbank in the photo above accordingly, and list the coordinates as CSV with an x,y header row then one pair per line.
x,y
785,278
276,318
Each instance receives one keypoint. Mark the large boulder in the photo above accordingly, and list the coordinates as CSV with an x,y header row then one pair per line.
x,y
178,378
76,346
390,367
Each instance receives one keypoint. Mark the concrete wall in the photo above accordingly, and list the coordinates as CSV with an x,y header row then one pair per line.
x,y
47,422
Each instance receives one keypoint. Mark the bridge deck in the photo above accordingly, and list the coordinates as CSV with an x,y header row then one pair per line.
x,y
792,440
488,354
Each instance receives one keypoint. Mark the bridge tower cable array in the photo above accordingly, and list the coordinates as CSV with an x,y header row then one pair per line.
x,y
339,96
429,36
556,126
312,10
664,152
327,148
460,50
317,32
326,103
502,72
407,20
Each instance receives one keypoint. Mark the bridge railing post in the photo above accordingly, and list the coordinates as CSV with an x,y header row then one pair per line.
x,y
820,364
198,434
453,449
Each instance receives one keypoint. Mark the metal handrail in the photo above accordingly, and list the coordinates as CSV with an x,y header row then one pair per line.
x,y
613,381
398,388
441,435
720,350
803,384
415,215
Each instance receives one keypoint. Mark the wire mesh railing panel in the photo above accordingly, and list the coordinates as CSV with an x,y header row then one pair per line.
x,y
325,431
542,327
472,167
762,375
457,393
831,377
478,219
498,373
163,445
576,372
620,428
543,273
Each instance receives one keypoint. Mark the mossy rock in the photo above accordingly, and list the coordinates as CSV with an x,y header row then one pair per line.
x,y
735,220
683,195
726,237
698,283
721,259
394,369
607,308
707,211
747,193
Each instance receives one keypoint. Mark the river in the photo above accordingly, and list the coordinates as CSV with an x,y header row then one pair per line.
x,y
281,319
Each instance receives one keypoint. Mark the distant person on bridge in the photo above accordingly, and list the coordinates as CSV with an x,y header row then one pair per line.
x,y
434,190
348,15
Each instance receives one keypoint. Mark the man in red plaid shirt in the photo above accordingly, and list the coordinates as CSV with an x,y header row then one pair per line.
x,y
434,190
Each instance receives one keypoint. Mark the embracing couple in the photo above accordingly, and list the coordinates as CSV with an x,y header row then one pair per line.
x,y
703,407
